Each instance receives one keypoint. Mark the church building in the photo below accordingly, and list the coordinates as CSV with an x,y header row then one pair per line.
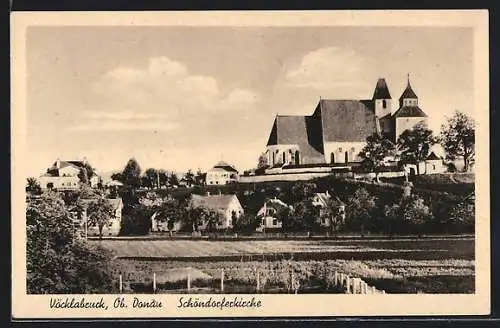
x,y
337,130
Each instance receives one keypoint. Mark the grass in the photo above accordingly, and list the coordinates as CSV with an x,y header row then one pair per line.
x,y
202,250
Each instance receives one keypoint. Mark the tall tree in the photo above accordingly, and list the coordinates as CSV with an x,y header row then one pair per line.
x,y
414,145
200,178
58,261
100,213
458,138
33,187
152,176
163,177
189,177
359,209
410,214
173,180
262,162
83,176
132,173
375,151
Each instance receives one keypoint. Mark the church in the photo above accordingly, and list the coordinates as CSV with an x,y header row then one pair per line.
x,y
337,130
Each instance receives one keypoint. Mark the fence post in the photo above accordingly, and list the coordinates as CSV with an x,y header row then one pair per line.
x,y
347,284
222,280
258,280
154,282
335,278
372,291
121,284
189,281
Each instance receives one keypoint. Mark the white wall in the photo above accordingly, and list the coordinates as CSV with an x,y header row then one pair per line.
x,y
70,182
278,151
339,149
380,111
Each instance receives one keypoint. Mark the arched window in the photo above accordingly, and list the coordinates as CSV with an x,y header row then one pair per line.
x,y
284,157
384,103
346,157
332,158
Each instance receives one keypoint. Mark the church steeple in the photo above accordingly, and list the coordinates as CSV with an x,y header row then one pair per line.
x,y
408,97
381,99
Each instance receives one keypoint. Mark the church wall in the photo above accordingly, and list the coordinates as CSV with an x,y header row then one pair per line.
x,y
278,151
407,123
339,149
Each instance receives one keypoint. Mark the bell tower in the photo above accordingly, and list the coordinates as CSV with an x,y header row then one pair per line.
x,y
381,99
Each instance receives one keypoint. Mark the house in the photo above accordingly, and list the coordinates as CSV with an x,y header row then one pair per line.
x,y
323,200
227,205
111,229
337,130
432,164
63,175
268,215
222,173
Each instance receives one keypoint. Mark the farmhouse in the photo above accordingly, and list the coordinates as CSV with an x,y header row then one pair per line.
x,y
64,175
337,130
222,173
228,205
268,214
111,229
324,200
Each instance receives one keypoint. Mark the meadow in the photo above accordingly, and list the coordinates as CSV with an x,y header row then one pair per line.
x,y
427,265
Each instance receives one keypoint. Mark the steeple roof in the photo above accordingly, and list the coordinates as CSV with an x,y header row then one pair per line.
x,y
381,90
408,93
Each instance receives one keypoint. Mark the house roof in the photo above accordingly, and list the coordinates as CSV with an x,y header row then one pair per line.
x,y
381,90
214,202
224,166
408,93
298,130
347,120
410,111
432,157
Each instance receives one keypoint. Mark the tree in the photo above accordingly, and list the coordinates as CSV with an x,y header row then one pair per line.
x,y
305,216
132,174
458,138
189,177
359,209
100,213
375,151
33,187
262,163
58,260
414,145
411,214
200,178
173,180
462,216
152,177
213,220
246,223
117,177
83,176
301,191
163,177
284,215
332,214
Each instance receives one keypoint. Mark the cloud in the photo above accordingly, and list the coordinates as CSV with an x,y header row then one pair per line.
x,y
327,68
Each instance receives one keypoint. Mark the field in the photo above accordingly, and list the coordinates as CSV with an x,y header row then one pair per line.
x,y
429,265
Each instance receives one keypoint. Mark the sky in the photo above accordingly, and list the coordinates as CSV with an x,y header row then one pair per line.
x,y
186,97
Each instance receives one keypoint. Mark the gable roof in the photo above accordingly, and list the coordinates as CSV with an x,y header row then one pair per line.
x,y
432,157
301,131
213,202
224,166
381,90
347,120
410,111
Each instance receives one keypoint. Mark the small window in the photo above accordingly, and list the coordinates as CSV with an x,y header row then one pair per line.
x,y
275,222
384,104
433,167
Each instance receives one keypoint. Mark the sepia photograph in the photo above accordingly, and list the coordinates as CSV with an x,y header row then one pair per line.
x,y
242,160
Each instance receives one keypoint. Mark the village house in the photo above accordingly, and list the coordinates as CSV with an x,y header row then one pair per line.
x,y
63,175
337,130
222,173
112,228
433,164
228,205
268,215
323,200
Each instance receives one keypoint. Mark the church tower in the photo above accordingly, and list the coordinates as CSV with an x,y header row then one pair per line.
x,y
408,97
381,99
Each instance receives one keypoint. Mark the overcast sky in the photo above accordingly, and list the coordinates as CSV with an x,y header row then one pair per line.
x,y
185,97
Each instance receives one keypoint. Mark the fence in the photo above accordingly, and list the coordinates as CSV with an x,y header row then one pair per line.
x,y
252,282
